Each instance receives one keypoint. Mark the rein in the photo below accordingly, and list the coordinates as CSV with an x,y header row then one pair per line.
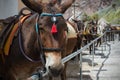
x,y
21,46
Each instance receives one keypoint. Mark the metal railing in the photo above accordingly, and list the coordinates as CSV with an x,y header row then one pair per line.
x,y
72,55
112,34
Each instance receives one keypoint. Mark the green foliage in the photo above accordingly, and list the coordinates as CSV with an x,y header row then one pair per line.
x,y
95,16
103,12
111,14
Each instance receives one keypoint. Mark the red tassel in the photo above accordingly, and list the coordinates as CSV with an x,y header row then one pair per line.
x,y
54,28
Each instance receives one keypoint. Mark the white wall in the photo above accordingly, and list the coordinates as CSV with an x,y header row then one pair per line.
x,y
8,8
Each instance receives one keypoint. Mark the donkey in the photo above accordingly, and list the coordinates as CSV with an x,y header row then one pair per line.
x,y
40,41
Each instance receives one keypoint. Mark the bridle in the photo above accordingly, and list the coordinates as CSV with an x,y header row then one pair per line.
x,y
37,27
40,73
38,31
42,48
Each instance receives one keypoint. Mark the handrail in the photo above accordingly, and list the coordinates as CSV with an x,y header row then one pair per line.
x,y
113,31
72,55
115,24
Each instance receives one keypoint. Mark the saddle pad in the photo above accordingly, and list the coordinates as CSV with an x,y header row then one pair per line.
x,y
11,36
71,31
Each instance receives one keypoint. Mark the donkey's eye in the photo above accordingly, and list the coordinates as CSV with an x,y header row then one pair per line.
x,y
40,24
41,17
41,29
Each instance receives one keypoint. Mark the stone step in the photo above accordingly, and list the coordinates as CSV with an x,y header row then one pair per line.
x,y
106,68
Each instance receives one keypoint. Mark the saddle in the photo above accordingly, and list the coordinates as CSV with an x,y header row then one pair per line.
x,y
6,27
71,31
8,32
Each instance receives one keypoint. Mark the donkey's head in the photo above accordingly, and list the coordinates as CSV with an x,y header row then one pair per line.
x,y
51,29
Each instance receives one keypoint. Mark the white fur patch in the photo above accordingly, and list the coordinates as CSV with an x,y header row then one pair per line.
x,y
51,60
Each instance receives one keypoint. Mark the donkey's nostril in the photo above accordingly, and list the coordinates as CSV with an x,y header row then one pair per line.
x,y
49,67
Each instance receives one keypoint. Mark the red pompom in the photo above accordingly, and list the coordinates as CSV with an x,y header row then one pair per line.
x,y
54,29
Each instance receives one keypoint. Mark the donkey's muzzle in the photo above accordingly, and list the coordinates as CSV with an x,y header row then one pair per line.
x,y
56,71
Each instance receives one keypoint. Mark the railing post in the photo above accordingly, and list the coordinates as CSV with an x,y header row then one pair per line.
x,y
119,35
105,41
93,52
109,36
102,44
113,34
106,36
80,66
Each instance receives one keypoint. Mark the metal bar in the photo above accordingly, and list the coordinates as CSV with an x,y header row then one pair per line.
x,y
102,44
67,58
81,66
113,34
105,41
93,52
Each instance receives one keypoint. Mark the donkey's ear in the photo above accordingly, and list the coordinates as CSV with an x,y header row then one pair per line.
x,y
65,4
35,5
